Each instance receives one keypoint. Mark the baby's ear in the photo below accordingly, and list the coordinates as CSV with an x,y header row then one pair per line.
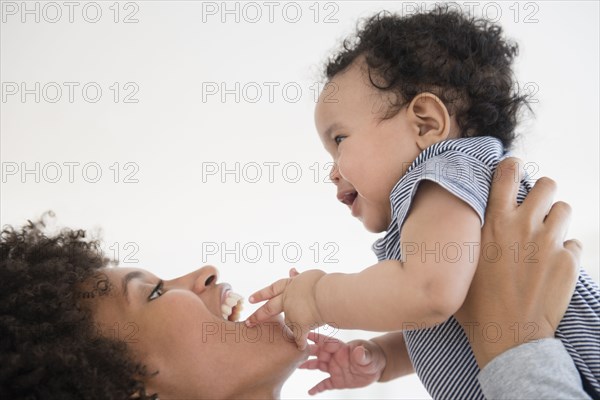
x,y
431,117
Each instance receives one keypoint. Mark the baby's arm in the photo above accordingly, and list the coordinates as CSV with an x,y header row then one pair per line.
x,y
440,237
426,288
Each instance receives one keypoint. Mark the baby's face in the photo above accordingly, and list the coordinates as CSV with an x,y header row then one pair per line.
x,y
370,155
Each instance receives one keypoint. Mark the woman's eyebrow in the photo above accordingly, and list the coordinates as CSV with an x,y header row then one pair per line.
x,y
126,279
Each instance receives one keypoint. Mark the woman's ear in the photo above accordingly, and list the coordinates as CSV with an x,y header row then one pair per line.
x,y
431,117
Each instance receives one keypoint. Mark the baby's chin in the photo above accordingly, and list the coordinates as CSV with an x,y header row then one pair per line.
x,y
374,228
374,224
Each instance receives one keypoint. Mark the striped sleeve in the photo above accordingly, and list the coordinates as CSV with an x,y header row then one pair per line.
x,y
463,175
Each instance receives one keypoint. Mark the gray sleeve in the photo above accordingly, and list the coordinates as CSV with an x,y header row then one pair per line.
x,y
535,370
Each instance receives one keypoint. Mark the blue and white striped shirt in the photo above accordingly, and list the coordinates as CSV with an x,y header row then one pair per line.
x,y
441,355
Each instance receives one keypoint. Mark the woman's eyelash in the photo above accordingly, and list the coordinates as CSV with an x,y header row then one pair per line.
x,y
158,291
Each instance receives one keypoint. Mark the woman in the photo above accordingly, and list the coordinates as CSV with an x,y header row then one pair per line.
x,y
72,328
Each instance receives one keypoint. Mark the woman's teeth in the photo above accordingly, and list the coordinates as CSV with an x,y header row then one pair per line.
x,y
232,306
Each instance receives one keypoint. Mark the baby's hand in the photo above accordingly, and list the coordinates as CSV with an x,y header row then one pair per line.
x,y
350,365
270,308
295,297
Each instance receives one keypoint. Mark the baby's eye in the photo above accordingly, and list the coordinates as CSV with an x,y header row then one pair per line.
x,y
157,291
338,139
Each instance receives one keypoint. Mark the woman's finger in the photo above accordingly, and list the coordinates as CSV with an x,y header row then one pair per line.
x,y
576,248
558,219
538,202
505,185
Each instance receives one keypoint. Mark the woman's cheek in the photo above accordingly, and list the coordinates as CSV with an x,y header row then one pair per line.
x,y
175,313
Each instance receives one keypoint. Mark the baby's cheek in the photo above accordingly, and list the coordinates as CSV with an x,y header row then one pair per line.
x,y
348,168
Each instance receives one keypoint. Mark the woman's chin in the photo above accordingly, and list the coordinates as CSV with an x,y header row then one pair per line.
x,y
277,329
278,319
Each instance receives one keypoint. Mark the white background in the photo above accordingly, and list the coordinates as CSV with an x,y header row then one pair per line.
x,y
175,216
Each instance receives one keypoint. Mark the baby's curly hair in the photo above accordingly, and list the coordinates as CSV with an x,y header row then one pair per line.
x,y
48,346
463,60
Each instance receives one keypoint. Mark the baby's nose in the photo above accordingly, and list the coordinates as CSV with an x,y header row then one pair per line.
x,y
334,174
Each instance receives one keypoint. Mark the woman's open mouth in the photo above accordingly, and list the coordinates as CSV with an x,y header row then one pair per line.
x,y
231,305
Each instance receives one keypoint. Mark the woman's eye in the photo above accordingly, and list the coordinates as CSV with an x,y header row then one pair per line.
x,y
157,291
338,139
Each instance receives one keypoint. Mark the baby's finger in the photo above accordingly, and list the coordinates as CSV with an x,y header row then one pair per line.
x,y
361,356
363,360
270,291
325,384
300,336
309,364
314,349
321,339
326,343
268,310
314,364
294,272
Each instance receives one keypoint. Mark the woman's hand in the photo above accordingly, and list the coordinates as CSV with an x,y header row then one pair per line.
x,y
526,272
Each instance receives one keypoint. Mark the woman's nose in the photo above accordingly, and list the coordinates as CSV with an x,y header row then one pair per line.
x,y
205,277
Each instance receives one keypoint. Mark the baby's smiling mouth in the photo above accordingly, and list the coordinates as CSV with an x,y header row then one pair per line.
x,y
347,197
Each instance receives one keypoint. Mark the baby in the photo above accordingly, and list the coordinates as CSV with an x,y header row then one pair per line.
x,y
423,111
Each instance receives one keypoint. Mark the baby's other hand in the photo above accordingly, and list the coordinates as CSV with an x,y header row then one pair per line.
x,y
350,365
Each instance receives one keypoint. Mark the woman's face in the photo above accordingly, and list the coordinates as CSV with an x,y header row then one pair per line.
x,y
178,329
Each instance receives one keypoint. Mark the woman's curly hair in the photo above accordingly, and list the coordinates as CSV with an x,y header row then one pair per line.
x,y
49,348
463,60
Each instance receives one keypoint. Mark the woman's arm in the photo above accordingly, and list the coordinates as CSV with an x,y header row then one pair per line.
x,y
535,370
525,299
